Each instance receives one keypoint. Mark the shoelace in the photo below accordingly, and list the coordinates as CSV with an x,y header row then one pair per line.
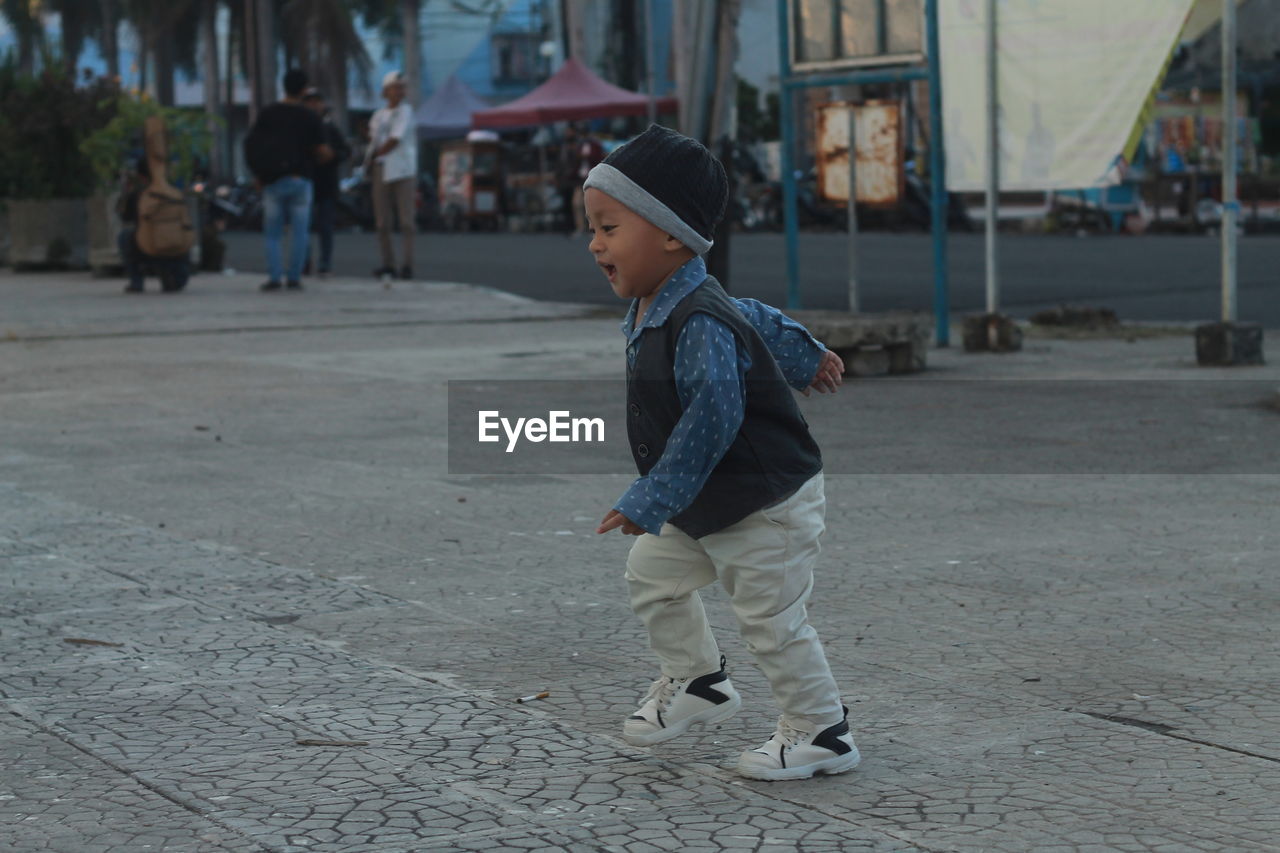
x,y
788,734
662,690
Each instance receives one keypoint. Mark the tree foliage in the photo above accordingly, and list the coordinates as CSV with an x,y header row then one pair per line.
x,y
119,141
321,33
43,121
23,18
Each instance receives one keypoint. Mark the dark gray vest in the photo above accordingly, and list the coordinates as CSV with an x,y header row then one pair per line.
x,y
773,455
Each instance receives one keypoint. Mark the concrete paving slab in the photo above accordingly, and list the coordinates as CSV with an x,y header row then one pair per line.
x,y
253,498
55,797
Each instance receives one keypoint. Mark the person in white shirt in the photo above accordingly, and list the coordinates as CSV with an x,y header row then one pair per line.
x,y
393,156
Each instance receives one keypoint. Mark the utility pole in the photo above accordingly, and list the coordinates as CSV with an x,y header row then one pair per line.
x,y
724,94
209,71
409,19
720,103
992,331
993,162
110,44
650,71
575,30
694,42
851,209
1230,205
266,44
251,58
1229,342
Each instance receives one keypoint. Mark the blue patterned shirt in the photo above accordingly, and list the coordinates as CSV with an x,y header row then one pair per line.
x,y
710,372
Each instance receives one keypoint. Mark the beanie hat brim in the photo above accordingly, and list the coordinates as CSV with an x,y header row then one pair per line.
x,y
614,183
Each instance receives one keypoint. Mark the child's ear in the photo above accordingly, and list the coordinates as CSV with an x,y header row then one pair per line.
x,y
672,244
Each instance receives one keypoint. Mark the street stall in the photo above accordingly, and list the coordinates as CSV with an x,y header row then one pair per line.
x,y
573,93
471,182
447,113
467,172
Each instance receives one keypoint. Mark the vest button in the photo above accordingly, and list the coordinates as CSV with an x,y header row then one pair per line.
x,y
635,410
642,450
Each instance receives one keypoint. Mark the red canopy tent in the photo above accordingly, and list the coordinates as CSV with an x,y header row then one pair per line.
x,y
572,93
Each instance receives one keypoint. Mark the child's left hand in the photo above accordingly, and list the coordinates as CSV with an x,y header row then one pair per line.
x,y
614,519
830,375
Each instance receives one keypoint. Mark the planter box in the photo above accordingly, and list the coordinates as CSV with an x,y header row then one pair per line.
x,y
104,227
49,233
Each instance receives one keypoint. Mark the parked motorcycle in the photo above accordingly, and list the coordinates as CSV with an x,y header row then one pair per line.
x,y
211,217
355,203
236,206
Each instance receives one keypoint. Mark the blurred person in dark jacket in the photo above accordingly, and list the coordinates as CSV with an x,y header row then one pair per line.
x,y
130,256
325,178
282,149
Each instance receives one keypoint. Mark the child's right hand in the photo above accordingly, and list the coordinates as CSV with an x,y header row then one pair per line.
x,y
614,519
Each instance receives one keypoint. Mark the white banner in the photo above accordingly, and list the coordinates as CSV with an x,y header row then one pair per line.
x,y
1073,77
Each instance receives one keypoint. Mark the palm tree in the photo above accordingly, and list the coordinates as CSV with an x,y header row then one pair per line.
x,y
260,27
166,32
79,21
209,77
323,40
23,18
109,14
410,20
400,20
73,18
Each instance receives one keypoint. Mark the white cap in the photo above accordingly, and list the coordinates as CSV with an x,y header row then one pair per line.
x,y
391,78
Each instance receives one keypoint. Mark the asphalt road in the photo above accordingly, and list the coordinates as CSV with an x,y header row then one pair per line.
x,y
1155,278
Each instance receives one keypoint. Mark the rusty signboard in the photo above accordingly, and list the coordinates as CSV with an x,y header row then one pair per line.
x,y
880,152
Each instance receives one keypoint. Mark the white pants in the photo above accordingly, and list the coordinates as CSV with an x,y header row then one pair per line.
x,y
765,562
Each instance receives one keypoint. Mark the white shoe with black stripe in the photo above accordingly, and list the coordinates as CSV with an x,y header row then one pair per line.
x,y
797,751
674,705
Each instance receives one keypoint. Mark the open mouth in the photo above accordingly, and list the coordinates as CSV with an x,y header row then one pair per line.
x,y
610,271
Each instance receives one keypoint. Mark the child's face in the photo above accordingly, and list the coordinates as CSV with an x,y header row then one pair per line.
x,y
635,255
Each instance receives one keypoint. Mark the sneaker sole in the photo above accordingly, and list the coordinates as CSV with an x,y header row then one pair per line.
x,y
830,767
711,716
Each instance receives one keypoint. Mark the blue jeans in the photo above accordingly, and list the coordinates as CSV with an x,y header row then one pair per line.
x,y
287,201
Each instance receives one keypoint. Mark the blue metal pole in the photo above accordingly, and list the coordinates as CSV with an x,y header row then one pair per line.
x,y
937,182
785,118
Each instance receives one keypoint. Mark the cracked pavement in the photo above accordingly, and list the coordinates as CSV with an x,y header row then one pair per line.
x,y
295,629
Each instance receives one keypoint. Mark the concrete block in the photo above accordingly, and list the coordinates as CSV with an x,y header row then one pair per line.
x,y
1228,344
864,362
872,344
907,357
991,333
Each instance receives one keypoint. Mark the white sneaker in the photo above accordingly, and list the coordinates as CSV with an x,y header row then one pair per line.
x,y
798,752
673,706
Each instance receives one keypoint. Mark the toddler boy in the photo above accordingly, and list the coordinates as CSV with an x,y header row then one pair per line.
x,y
730,484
